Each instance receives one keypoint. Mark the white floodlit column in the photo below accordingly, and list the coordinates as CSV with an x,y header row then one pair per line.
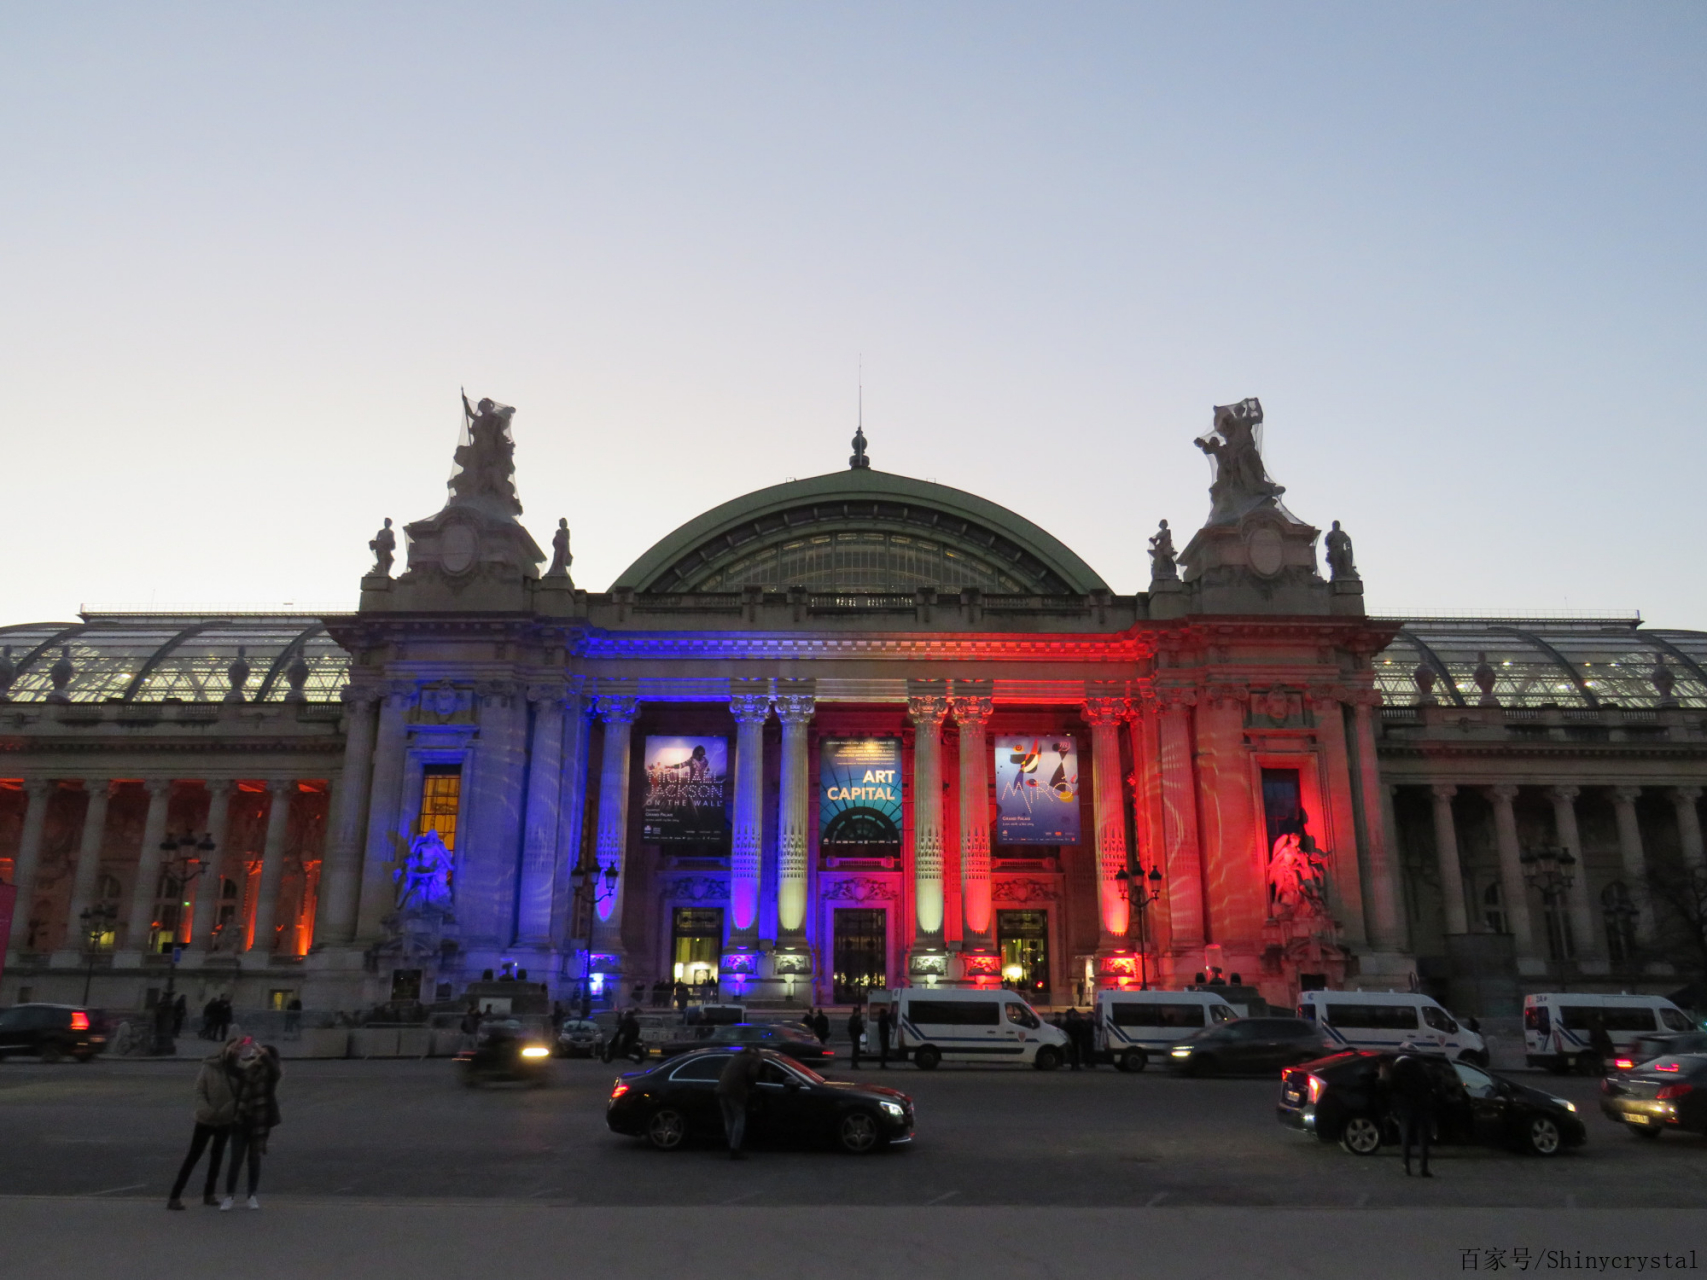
x,y
618,712
1511,870
272,865
972,715
927,713
539,838
88,865
1635,860
340,877
795,711
1380,868
1446,859
37,793
141,918
207,883
1578,895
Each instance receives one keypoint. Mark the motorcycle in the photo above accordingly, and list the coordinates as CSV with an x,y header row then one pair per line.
x,y
500,1055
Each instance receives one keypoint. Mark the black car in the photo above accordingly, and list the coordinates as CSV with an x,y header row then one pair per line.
x,y
785,1038
1247,1044
791,1103
1659,1044
1667,1093
52,1031
1341,1099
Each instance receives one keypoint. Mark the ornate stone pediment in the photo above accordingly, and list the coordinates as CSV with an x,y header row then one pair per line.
x,y
860,889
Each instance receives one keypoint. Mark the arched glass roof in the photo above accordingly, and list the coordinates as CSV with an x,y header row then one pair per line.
x,y
1581,664
124,657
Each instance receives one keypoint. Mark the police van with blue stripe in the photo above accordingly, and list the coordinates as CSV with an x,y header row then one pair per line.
x,y
962,1024
1134,1026
1389,1019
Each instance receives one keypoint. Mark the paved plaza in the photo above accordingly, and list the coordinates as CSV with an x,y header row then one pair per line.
x,y
1013,1172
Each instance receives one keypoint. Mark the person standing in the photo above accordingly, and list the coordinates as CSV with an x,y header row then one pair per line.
x,y
216,1108
1075,1042
734,1091
256,1111
821,1026
1412,1093
884,1026
1088,1041
856,1033
210,1018
180,1011
470,1028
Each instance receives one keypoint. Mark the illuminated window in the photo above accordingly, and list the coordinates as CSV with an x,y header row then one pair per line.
x,y
441,796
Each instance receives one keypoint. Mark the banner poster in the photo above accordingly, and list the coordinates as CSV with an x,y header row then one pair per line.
x,y
1037,790
859,791
686,779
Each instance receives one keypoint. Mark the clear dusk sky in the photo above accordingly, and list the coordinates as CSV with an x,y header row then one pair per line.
x,y
249,253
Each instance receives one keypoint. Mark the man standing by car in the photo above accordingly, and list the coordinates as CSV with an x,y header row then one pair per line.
x,y
856,1033
734,1089
1412,1093
883,1028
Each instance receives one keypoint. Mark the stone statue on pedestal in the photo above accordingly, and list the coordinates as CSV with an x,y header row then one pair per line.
x,y
1241,483
423,881
1297,877
488,461
560,557
1162,566
384,548
1340,565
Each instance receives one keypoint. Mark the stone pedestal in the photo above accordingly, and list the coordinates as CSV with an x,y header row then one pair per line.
x,y
1264,563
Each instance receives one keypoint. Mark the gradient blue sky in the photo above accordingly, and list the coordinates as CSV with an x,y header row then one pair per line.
x,y
249,253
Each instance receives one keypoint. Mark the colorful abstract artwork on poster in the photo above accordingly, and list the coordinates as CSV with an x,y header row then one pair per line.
x,y
1037,789
687,782
859,791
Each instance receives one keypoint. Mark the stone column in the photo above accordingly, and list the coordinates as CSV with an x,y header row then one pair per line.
x,y
37,793
972,715
795,710
1187,926
1511,872
1446,859
539,837
927,712
88,869
340,877
1105,715
751,709
1683,799
571,811
141,918
1577,896
386,830
1380,870
1635,861
272,865
618,712
207,883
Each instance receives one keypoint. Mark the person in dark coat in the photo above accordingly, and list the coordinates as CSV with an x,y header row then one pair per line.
x,y
734,1091
1075,1041
1410,1090
255,1113
885,1024
180,1012
856,1033
821,1026
1600,1044
628,1036
216,1108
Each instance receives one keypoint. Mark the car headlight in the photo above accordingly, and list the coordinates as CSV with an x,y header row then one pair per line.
x,y
1184,1051
535,1051
893,1108
1568,1106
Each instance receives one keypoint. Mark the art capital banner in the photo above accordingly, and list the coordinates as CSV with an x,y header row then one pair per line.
x,y
1037,790
686,782
859,791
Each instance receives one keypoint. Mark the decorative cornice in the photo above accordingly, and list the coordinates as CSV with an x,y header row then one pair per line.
x,y
632,645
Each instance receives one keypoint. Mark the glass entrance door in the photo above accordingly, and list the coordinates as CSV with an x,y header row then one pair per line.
x,y
862,942
1023,937
697,945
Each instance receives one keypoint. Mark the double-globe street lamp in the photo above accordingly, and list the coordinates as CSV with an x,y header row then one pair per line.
x,y
587,883
183,859
1139,888
98,921
1551,870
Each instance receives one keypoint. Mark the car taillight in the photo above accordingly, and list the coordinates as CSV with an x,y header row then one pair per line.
x,y
1316,1085
1623,1064
79,1020
617,1092
1674,1091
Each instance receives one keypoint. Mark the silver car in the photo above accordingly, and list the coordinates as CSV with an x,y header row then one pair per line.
x,y
580,1038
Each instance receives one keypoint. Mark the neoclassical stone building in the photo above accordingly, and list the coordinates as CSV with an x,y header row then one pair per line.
x,y
848,731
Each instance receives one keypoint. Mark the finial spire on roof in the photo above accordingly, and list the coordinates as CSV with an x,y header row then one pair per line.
x,y
859,462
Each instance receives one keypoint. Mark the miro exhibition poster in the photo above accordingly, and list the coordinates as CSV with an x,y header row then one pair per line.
x,y
859,791
686,779
1037,789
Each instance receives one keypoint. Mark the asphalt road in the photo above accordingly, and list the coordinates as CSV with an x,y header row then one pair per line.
x,y
406,1130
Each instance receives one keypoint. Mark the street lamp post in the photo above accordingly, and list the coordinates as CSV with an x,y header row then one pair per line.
x,y
1139,888
1551,870
96,921
586,886
183,859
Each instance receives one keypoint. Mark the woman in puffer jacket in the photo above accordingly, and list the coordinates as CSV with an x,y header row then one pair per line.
x,y
255,1111
216,1108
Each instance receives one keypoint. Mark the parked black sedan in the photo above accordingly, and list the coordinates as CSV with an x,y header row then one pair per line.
x,y
52,1031
1247,1045
1340,1099
791,1104
785,1038
1669,1093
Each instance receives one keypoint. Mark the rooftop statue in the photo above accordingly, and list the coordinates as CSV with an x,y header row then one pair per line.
x,y
486,474
560,557
1241,483
384,547
1162,566
1341,567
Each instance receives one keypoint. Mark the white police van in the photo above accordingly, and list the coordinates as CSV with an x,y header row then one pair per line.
x,y
1134,1026
1557,1026
1389,1019
955,1024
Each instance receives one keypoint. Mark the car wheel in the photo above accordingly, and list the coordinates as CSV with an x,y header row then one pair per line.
x,y
1648,1131
1542,1136
1361,1135
667,1129
85,1057
50,1053
1047,1059
1201,1064
858,1133
927,1058
1134,1060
